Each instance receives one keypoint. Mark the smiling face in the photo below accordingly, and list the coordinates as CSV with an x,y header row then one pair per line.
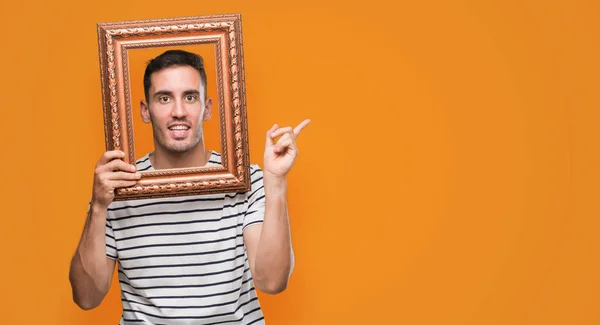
x,y
176,106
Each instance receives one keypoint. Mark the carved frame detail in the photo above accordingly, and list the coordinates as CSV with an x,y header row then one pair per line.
x,y
225,31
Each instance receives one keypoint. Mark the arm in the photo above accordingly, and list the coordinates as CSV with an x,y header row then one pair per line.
x,y
91,269
269,245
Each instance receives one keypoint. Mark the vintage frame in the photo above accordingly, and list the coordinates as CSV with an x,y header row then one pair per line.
x,y
225,31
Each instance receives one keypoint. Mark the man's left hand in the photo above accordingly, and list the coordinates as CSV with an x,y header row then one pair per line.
x,y
280,156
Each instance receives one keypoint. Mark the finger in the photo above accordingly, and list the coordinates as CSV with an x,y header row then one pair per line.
x,y
123,176
300,127
286,138
119,184
269,138
278,132
120,165
284,143
110,155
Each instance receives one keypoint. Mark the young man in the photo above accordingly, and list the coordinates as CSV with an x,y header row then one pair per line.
x,y
186,260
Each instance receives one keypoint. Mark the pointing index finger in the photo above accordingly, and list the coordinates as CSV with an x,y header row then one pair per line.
x,y
300,127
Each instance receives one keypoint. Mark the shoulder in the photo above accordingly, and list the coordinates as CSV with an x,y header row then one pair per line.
x,y
255,168
256,181
215,158
143,163
256,174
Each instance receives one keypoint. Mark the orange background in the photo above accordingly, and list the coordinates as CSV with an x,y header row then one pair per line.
x,y
449,175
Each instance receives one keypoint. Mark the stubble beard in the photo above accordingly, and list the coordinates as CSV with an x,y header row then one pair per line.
x,y
178,146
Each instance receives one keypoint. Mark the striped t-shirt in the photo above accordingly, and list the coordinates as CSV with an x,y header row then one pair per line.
x,y
182,260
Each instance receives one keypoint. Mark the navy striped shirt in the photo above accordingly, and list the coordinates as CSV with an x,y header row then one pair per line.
x,y
182,260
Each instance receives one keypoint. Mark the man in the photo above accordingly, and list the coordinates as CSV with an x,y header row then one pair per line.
x,y
186,260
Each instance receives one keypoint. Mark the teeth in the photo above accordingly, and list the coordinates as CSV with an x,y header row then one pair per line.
x,y
179,128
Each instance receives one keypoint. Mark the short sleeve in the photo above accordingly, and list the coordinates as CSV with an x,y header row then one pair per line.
x,y
255,213
111,247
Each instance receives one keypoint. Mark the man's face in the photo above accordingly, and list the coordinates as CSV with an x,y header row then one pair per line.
x,y
176,108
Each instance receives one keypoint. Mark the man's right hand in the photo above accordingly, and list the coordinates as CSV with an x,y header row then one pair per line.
x,y
111,173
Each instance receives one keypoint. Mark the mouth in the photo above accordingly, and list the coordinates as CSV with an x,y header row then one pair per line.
x,y
178,131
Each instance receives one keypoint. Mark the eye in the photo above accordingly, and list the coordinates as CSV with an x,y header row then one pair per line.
x,y
190,98
163,99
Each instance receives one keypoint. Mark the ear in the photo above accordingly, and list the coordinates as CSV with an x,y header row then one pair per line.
x,y
144,111
207,109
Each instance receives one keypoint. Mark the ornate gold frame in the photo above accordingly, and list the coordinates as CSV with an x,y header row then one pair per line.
x,y
225,31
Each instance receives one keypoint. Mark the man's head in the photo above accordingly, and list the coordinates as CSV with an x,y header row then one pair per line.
x,y
176,100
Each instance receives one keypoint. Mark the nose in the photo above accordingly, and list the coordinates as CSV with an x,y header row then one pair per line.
x,y
178,110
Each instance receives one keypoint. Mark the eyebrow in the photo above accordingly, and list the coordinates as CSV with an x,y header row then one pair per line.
x,y
191,92
162,92
170,93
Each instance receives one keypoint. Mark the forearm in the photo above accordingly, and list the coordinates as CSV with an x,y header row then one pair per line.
x,y
274,254
90,274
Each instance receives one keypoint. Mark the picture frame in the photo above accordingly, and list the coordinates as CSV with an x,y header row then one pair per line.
x,y
116,40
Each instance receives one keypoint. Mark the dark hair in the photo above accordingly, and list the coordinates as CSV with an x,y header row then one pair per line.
x,y
173,58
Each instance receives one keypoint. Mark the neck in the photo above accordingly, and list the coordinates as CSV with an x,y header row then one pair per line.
x,y
164,159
